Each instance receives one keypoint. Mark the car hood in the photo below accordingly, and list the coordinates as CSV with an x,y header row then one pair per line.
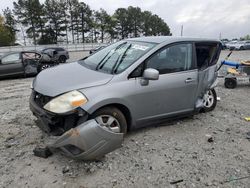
x,y
68,77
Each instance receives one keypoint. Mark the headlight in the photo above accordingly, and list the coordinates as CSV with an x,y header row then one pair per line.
x,y
66,102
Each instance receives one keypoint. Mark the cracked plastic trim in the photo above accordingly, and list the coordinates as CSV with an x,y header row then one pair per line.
x,y
90,139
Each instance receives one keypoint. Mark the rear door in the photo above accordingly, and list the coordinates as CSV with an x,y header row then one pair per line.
x,y
11,64
207,55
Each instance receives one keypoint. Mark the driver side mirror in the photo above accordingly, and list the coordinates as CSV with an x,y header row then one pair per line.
x,y
149,74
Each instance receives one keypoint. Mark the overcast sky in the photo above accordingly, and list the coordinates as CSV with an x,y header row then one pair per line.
x,y
200,18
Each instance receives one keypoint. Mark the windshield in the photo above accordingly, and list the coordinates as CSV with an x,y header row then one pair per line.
x,y
117,57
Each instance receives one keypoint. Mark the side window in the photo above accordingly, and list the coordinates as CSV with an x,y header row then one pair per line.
x,y
206,54
171,59
12,58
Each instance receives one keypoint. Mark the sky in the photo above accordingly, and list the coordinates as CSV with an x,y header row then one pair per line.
x,y
200,18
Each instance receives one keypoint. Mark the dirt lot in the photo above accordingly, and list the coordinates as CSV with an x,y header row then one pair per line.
x,y
150,157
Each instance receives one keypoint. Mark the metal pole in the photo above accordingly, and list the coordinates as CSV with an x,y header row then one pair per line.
x,y
181,30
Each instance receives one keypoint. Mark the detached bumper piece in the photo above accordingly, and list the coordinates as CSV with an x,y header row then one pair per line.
x,y
88,141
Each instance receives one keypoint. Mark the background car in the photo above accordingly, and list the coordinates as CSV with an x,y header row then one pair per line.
x,y
19,64
230,45
241,45
62,55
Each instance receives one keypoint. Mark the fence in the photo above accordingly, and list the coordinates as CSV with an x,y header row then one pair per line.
x,y
69,47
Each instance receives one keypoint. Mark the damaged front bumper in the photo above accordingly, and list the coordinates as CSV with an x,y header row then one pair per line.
x,y
52,123
80,139
88,141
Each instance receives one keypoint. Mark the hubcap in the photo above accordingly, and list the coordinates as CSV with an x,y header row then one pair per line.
x,y
110,122
208,99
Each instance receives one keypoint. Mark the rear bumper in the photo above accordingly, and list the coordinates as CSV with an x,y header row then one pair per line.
x,y
53,123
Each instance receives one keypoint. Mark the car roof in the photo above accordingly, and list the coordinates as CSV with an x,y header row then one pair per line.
x,y
170,39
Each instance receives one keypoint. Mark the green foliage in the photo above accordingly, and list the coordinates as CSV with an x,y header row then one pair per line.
x,y
52,21
55,13
7,37
30,14
247,37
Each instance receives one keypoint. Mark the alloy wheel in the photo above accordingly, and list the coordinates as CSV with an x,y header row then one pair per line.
x,y
208,99
110,122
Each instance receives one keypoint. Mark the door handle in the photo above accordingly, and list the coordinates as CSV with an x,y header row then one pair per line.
x,y
188,80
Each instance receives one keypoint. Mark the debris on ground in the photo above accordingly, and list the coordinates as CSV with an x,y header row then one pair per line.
x,y
42,152
248,135
209,138
176,181
247,118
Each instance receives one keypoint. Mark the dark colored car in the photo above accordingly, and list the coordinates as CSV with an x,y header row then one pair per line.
x,y
62,55
19,64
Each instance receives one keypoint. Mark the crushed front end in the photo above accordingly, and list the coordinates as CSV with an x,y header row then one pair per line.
x,y
80,139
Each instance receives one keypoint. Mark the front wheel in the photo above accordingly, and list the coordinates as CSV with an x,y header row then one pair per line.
x,y
42,67
112,118
209,100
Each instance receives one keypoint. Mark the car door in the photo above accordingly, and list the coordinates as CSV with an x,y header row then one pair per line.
x,y
11,64
174,92
207,55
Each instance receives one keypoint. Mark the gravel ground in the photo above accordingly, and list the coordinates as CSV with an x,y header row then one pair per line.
x,y
151,157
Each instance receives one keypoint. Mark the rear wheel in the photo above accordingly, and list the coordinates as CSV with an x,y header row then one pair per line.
x,y
230,83
112,118
62,59
209,100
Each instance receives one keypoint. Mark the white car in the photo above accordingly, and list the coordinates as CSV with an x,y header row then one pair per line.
x,y
241,45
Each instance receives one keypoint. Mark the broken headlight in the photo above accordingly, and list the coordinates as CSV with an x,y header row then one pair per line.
x,y
66,102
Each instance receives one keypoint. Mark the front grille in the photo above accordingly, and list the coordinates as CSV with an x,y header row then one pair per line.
x,y
40,99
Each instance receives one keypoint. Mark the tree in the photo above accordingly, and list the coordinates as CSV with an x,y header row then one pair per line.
x,y
85,19
7,37
29,13
158,26
135,20
104,22
122,23
10,20
55,16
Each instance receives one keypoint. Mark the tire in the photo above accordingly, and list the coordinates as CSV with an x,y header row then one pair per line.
x,y
62,59
209,100
103,115
230,83
42,67
241,48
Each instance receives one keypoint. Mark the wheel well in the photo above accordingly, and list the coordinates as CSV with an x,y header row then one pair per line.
x,y
63,56
124,110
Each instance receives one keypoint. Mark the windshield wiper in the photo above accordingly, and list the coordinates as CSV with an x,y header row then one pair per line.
x,y
102,62
120,60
